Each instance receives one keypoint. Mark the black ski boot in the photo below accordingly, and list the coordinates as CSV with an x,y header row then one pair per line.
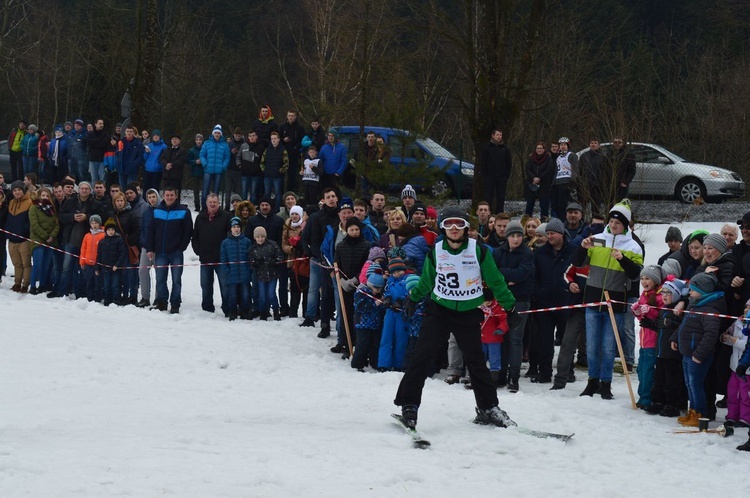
x,y
605,389
409,415
591,388
493,416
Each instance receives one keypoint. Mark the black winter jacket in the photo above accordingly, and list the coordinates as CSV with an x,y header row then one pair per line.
x,y
209,234
517,266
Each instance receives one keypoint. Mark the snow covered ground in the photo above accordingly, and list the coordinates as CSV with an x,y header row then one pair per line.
x,y
114,401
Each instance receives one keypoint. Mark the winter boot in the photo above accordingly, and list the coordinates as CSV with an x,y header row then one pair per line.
x,y
409,416
452,379
307,322
325,330
669,411
513,384
338,348
693,421
159,306
605,389
232,316
143,303
493,416
686,417
502,378
744,446
277,315
557,385
654,408
591,388
495,376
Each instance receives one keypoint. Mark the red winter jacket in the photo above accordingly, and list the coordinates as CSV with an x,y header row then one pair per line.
x,y
495,318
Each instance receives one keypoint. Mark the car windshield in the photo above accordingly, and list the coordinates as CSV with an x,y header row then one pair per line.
x,y
435,149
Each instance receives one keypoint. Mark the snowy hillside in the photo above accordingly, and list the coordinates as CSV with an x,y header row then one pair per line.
x,y
114,401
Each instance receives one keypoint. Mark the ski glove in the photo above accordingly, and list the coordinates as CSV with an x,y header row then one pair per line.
x,y
498,332
386,301
649,323
350,285
636,309
740,371
410,308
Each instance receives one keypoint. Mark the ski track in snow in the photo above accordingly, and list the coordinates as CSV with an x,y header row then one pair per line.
x,y
126,402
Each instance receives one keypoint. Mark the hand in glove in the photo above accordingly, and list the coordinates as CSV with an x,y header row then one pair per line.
x,y
649,323
410,308
498,332
636,309
386,301
398,304
740,371
350,285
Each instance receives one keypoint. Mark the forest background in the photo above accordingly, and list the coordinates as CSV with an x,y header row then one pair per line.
x,y
668,72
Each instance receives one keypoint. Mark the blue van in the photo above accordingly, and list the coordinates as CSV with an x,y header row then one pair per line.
x,y
459,175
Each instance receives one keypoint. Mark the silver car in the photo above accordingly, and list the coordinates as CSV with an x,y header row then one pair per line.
x,y
661,173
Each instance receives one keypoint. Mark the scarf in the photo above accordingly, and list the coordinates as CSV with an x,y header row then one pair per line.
x,y
45,206
539,158
297,224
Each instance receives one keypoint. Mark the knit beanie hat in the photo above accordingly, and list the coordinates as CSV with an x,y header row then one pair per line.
x,y
703,283
353,221
409,192
376,253
84,183
675,287
672,267
541,229
217,128
376,280
17,184
298,210
621,212
346,203
698,235
131,187
235,221
673,234
419,206
396,264
396,252
431,213
553,225
235,197
716,241
156,132
95,218
259,231
411,282
110,223
514,226
653,272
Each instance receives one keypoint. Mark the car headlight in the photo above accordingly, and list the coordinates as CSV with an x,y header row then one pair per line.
x,y
720,174
467,171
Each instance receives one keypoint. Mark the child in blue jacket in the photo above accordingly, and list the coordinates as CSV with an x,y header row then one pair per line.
x,y
236,268
395,335
368,321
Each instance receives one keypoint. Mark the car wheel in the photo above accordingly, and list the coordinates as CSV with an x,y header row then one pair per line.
x,y
441,187
689,189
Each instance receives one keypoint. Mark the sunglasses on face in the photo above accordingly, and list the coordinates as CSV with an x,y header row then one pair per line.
x,y
451,223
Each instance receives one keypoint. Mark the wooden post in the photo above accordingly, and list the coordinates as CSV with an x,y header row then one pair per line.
x,y
619,349
343,308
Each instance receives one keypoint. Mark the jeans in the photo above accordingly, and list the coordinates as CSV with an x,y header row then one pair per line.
x,y
238,295
56,260
93,283
207,288
250,187
274,184
211,183
317,284
111,284
267,296
129,281
29,163
41,267
627,333
165,262
513,343
600,343
151,180
69,278
78,168
96,170
144,275
695,376
492,353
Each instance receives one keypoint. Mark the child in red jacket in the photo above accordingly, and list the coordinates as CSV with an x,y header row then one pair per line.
x,y
647,307
494,326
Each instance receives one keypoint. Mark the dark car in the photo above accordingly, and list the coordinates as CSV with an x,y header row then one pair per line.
x,y
408,150
5,160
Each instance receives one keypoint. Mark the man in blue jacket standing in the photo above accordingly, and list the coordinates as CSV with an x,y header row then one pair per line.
x,y
169,234
333,156
214,157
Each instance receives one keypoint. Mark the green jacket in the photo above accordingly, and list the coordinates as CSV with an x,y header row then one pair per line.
x,y
42,227
491,276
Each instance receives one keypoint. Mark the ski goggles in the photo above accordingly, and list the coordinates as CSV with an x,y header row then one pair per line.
x,y
451,223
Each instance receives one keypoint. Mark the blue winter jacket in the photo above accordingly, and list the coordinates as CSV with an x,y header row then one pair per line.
x,y
77,144
62,152
416,250
334,158
234,250
215,156
367,315
153,165
131,157
169,228
29,143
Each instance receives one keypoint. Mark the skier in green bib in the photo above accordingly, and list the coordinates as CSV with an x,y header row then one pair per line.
x,y
453,276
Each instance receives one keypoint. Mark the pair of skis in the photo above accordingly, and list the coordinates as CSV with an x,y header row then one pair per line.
x,y
421,442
